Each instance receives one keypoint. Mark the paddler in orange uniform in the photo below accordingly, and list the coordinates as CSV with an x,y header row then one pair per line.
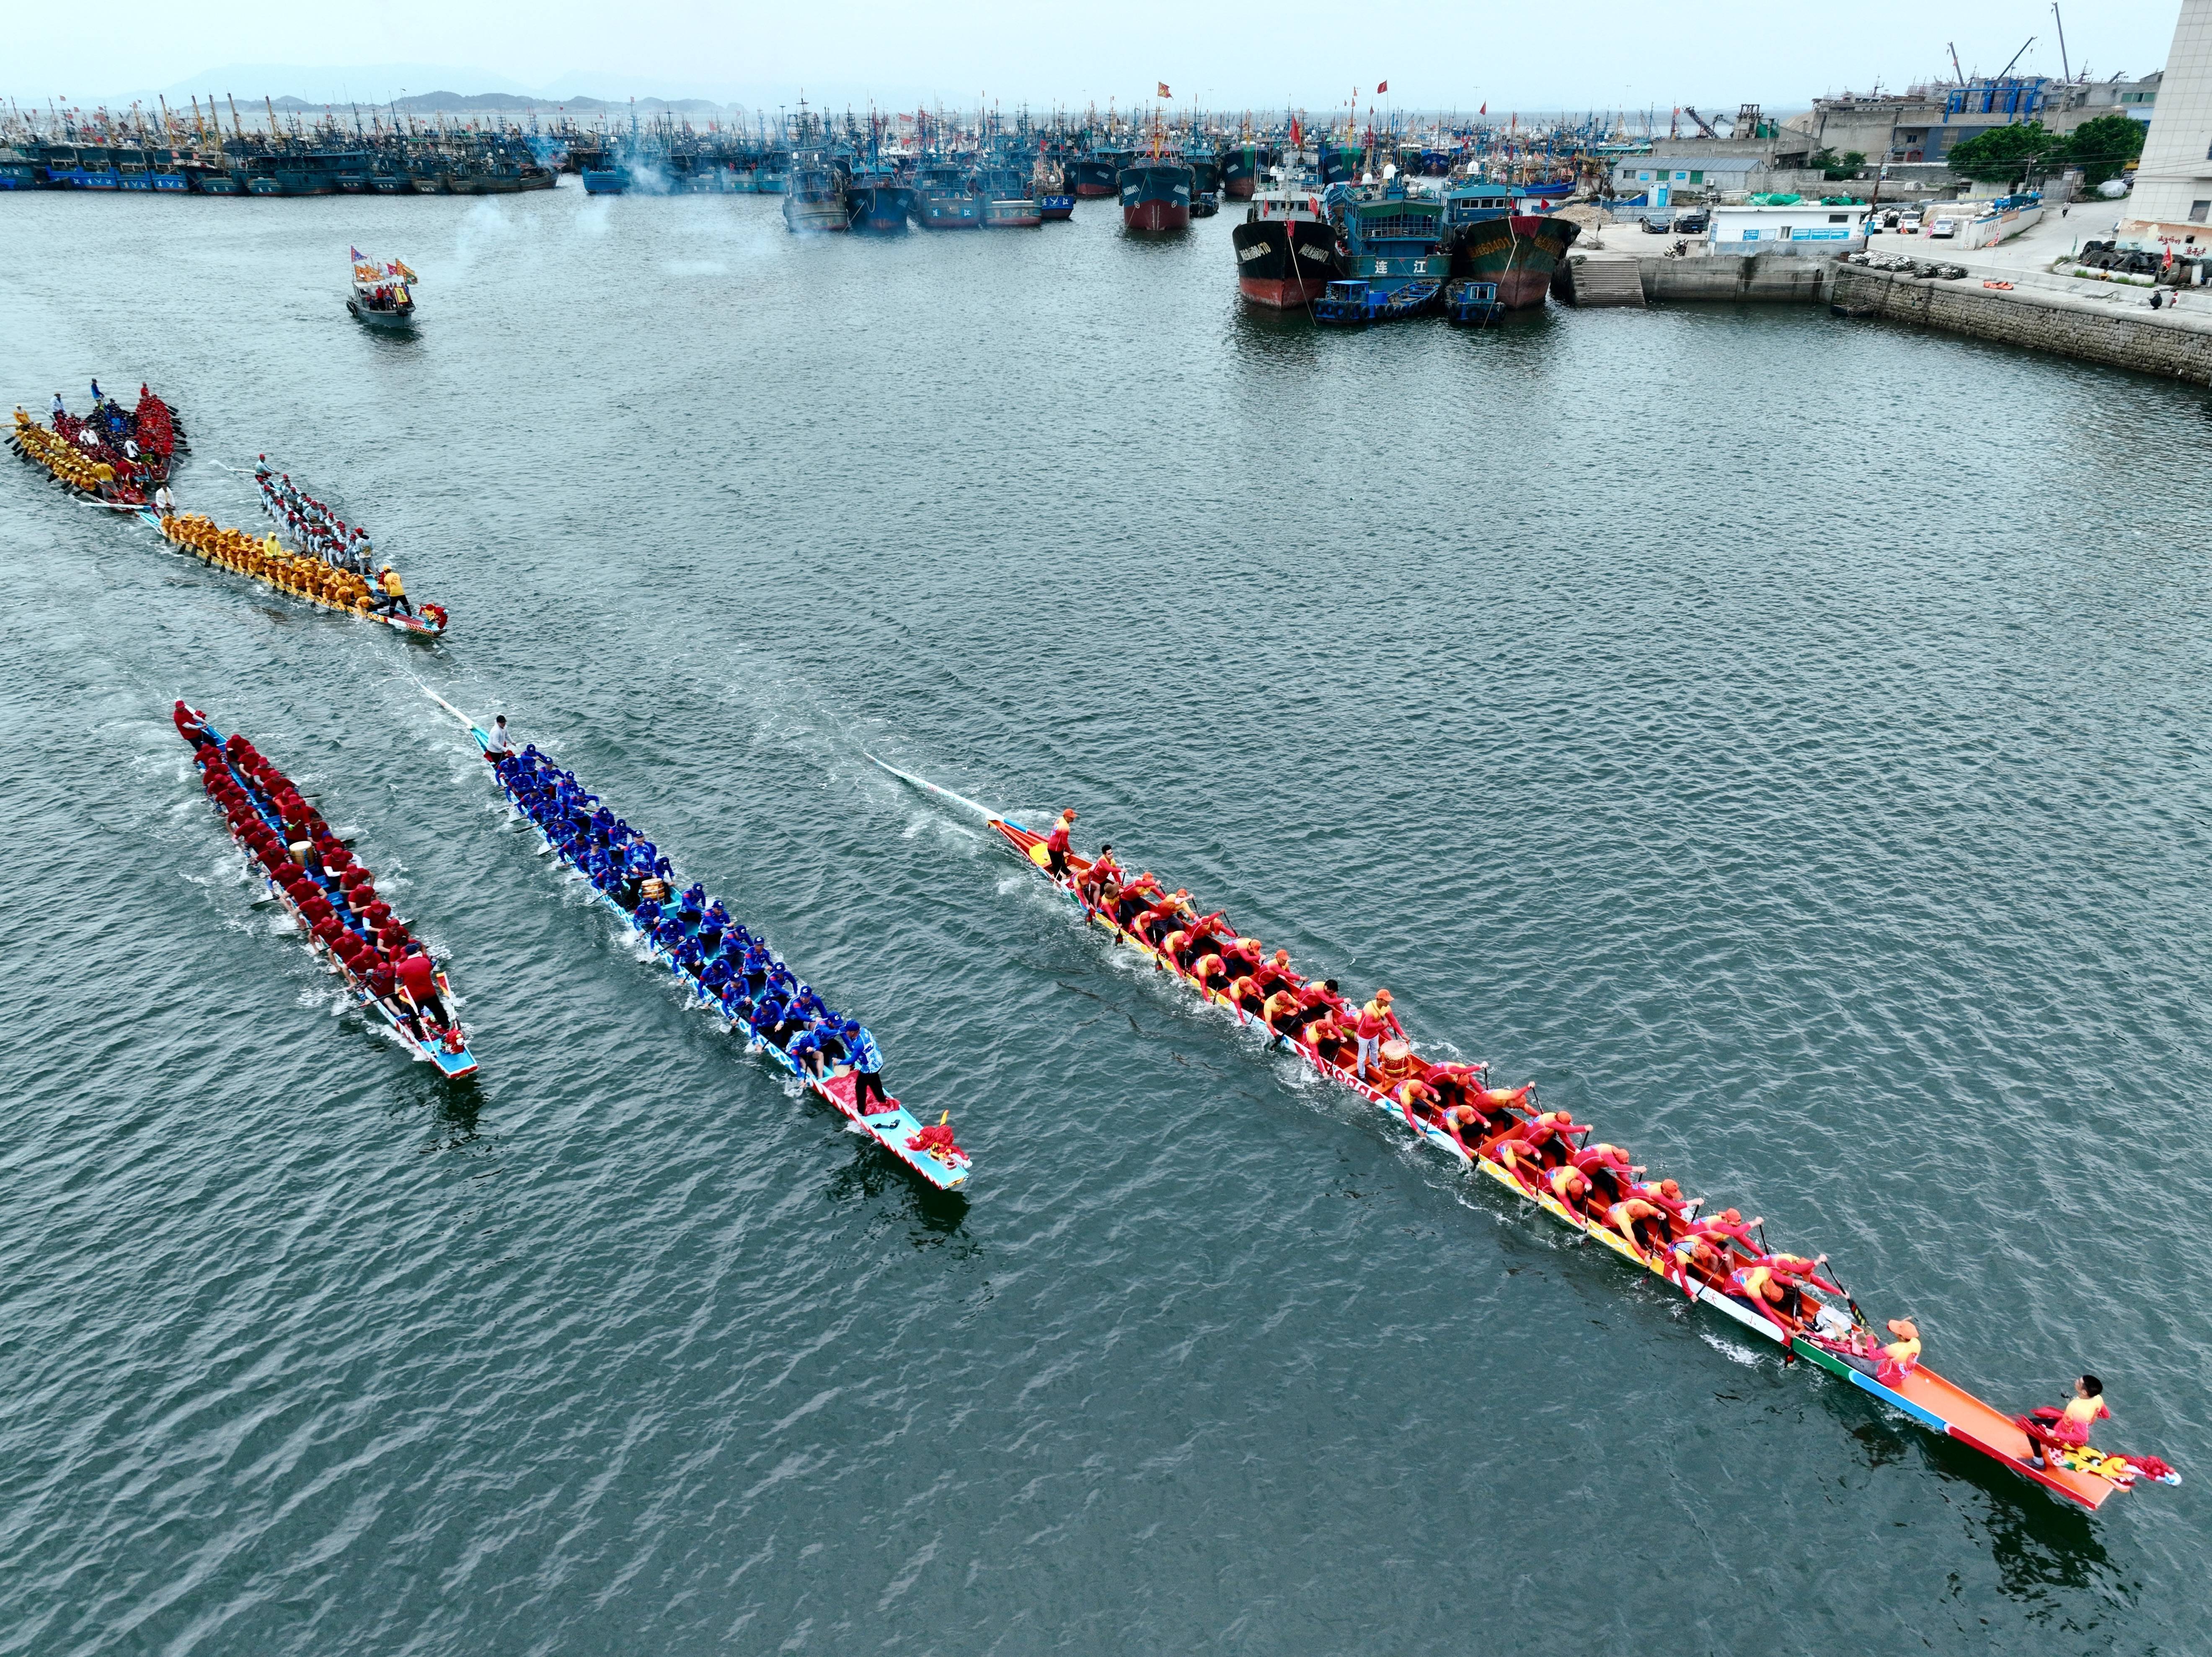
x,y
1570,1188
1630,1212
1420,1104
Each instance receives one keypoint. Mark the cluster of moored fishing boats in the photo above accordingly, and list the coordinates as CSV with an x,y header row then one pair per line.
x,y
1392,246
1533,1156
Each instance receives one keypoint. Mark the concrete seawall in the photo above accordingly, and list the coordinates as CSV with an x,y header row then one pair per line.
x,y
1780,278
2043,313
2177,345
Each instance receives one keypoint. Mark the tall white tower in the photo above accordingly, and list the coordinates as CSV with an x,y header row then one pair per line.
x,y
2172,198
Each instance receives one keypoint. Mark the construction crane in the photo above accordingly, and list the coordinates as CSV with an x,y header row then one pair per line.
x,y
1704,125
1955,69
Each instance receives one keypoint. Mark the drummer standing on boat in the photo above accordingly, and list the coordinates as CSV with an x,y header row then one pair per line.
x,y
1057,842
1376,1021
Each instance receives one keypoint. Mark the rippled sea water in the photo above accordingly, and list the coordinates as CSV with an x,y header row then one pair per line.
x,y
1782,736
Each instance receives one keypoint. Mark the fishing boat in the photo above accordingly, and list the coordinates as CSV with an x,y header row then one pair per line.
x,y
1500,234
876,201
815,199
1472,304
943,199
605,181
1392,267
1204,160
677,937
382,295
1006,203
1816,1319
1048,184
1155,196
1244,166
329,894
1097,174
1285,248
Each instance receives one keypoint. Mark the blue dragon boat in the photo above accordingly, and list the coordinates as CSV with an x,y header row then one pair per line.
x,y
723,968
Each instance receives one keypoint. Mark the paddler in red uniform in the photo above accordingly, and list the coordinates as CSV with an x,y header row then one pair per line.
x,y
1056,844
1275,972
418,978
1103,869
1327,1037
1135,895
1377,1021
1163,916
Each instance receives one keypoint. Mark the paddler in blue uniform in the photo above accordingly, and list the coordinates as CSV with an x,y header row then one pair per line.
x,y
867,1073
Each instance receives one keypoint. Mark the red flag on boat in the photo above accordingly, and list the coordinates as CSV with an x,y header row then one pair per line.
x,y
1295,139
1484,110
1165,93
355,252
1382,88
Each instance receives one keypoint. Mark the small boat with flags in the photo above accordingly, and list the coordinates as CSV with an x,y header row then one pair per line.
x,y
383,292
722,968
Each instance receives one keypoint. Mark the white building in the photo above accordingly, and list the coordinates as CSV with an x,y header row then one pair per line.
x,y
1806,227
1660,179
2173,197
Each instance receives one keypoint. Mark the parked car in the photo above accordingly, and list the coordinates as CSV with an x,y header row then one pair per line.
x,y
1945,227
1689,224
1656,226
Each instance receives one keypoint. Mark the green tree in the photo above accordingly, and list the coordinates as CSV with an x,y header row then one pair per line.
x,y
1845,165
2006,152
2103,147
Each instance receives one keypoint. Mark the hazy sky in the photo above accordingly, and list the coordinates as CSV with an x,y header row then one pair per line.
x,y
1600,53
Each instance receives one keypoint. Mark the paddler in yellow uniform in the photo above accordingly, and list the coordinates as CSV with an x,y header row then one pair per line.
x,y
395,595
2068,1428
1901,1357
